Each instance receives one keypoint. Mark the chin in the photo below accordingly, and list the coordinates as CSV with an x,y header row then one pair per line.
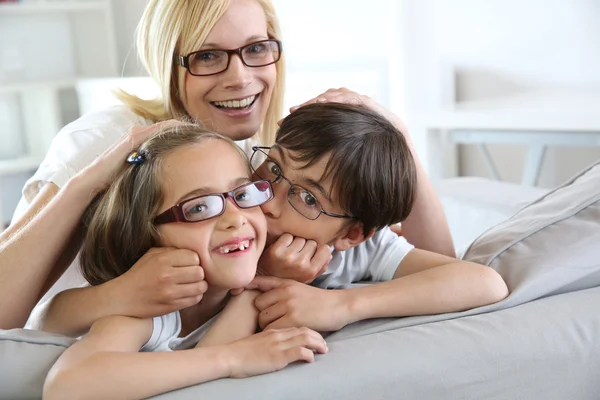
x,y
243,132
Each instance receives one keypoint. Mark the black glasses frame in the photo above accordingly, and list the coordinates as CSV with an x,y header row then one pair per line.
x,y
184,61
292,186
176,214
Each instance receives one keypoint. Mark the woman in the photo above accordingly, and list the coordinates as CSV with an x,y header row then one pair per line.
x,y
232,91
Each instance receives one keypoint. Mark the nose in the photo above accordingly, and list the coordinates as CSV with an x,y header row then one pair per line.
x,y
233,217
237,75
273,208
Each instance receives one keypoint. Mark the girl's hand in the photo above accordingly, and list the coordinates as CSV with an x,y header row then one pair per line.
x,y
347,96
272,350
294,258
97,176
162,281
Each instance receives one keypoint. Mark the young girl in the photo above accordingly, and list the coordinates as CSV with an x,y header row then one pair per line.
x,y
187,189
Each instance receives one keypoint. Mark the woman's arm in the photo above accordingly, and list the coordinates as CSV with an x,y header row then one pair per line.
x,y
238,320
106,364
426,226
32,251
162,281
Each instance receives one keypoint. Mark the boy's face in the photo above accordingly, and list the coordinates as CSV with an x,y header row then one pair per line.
x,y
310,195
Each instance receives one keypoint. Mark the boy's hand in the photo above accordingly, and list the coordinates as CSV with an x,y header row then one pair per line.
x,y
162,281
294,258
288,303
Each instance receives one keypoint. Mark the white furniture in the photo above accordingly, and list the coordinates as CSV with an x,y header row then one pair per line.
x,y
91,45
537,118
46,46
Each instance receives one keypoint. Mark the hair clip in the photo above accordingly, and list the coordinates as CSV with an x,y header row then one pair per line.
x,y
136,158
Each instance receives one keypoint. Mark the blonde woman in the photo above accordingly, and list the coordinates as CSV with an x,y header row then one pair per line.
x,y
220,63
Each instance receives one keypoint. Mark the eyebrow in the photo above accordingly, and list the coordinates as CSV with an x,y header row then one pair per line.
x,y
304,179
248,41
203,191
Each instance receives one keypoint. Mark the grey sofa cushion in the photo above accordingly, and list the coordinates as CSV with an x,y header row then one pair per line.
x,y
25,359
550,246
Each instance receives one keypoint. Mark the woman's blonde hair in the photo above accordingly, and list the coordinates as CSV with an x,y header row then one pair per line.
x,y
120,222
170,28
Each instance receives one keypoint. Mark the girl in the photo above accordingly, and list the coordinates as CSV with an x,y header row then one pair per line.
x,y
185,188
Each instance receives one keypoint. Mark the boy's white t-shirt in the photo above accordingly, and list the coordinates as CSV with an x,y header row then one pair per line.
x,y
75,147
374,260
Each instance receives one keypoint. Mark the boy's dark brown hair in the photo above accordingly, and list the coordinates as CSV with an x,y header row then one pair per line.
x,y
120,227
370,163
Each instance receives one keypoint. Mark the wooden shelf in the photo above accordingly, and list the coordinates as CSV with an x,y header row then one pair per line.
x,y
17,165
32,7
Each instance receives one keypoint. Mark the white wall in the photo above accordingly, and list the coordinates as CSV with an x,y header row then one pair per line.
x,y
526,43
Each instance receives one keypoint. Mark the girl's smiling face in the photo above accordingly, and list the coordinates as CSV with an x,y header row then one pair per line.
x,y
213,166
212,99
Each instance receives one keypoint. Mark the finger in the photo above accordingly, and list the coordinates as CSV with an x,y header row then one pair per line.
x,y
309,249
268,299
265,283
179,257
297,245
182,303
309,339
283,241
190,290
191,274
271,314
299,354
321,257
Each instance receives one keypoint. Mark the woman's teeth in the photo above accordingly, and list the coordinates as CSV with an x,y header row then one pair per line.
x,y
228,248
243,103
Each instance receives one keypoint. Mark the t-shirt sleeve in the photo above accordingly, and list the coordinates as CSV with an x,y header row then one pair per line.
x,y
386,251
165,329
76,146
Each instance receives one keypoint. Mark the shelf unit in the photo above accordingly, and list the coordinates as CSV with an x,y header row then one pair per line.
x,y
41,91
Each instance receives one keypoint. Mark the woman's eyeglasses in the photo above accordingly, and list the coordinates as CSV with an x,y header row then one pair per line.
x,y
214,61
212,205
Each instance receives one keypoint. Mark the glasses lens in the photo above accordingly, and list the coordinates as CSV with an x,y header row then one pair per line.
x,y
202,208
304,202
265,167
261,53
253,194
208,62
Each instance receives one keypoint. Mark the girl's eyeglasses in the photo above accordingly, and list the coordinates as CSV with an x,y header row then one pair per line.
x,y
212,205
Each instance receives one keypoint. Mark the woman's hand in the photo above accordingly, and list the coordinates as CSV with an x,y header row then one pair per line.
x,y
347,96
162,281
97,176
272,350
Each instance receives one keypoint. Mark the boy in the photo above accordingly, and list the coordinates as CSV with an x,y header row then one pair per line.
x,y
341,173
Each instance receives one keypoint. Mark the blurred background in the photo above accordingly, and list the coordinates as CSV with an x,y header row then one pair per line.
x,y
506,90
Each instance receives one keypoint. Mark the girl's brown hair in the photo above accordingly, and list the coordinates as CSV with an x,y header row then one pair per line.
x,y
120,226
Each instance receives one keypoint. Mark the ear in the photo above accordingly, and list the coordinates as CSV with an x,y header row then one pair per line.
x,y
351,236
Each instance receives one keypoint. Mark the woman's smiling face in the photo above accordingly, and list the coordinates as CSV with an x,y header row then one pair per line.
x,y
234,102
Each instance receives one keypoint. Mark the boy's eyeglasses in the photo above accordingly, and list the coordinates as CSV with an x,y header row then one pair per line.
x,y
212,205
299,198
214,61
